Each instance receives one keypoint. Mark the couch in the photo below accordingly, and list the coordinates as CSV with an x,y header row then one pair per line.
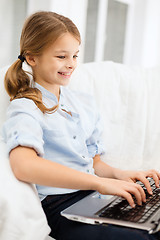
x,y
128,100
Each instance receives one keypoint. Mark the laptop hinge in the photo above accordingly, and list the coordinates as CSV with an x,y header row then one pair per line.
x,y
156,228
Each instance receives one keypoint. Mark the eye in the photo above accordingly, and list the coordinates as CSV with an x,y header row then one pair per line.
x,y
75,56
61,57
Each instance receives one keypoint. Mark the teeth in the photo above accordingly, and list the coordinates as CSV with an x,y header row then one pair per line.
x,y
65,74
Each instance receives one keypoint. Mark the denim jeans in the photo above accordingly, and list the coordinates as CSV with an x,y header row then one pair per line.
x,y
62,228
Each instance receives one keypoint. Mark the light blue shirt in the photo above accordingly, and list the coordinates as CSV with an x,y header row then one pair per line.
x,y
69,139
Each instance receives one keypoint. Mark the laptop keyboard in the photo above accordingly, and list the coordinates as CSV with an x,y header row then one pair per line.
x,y
121,210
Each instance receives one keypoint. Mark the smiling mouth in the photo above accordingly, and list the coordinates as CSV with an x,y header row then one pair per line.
x,y
66,74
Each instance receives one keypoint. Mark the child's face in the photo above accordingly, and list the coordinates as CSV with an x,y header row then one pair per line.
x,y
55,66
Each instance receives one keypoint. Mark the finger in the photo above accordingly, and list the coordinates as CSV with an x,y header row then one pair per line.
x,y
144,180
146,183
129,198
140,189
156,179
158,174
138,194
155,175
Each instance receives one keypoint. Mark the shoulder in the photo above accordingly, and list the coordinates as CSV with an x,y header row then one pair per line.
x,y
22,105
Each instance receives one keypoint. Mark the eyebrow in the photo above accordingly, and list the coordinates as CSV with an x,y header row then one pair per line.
x,y
63,51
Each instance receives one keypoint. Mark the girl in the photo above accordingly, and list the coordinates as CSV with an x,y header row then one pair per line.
x,y
53,135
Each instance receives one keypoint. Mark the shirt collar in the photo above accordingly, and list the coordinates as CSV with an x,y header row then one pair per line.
x,y
47,93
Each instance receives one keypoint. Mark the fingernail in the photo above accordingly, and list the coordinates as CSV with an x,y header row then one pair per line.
x,y
133,205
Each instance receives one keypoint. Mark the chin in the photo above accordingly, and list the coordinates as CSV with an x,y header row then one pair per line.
x,y
65,83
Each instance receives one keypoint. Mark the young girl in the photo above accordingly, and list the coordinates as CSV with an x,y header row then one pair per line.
x,y
53,135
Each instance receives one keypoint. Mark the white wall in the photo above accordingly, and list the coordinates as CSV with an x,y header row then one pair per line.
x,y
37,5
12,14
6,33
151,48
143,38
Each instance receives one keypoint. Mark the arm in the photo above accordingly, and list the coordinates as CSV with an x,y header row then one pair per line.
x,y
29,167
102,169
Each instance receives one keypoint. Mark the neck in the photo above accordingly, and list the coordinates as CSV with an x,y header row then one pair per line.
x,y
55,89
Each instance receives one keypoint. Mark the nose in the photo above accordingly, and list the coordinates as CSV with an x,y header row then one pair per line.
x,y
71,63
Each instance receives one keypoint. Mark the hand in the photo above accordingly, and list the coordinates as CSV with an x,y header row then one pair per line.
x,y
133,176
123,189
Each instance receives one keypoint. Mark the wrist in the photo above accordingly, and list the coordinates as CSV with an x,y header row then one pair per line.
x,y
117,173
95,182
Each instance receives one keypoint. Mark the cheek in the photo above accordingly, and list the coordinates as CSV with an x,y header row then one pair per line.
x,y
54,66
51,67
75,64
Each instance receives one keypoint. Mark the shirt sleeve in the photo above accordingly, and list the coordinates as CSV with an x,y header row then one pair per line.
x,y
22,127
95,142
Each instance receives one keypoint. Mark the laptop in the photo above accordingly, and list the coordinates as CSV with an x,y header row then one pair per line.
x,y
106,209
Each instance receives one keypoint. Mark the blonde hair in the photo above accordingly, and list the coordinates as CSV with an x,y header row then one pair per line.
x,y
40,30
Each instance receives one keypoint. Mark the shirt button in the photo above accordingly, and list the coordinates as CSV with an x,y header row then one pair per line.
x,y
74,137
83,156
88,170
62,105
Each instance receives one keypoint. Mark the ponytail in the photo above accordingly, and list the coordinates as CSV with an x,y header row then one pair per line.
x,y
18,85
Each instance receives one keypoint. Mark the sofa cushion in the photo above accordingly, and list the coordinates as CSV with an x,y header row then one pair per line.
x,y
128,99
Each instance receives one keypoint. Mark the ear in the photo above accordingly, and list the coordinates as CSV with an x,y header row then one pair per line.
x,y
31,60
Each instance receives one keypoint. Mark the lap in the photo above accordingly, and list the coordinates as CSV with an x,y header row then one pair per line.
x,y
62,228
70,230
